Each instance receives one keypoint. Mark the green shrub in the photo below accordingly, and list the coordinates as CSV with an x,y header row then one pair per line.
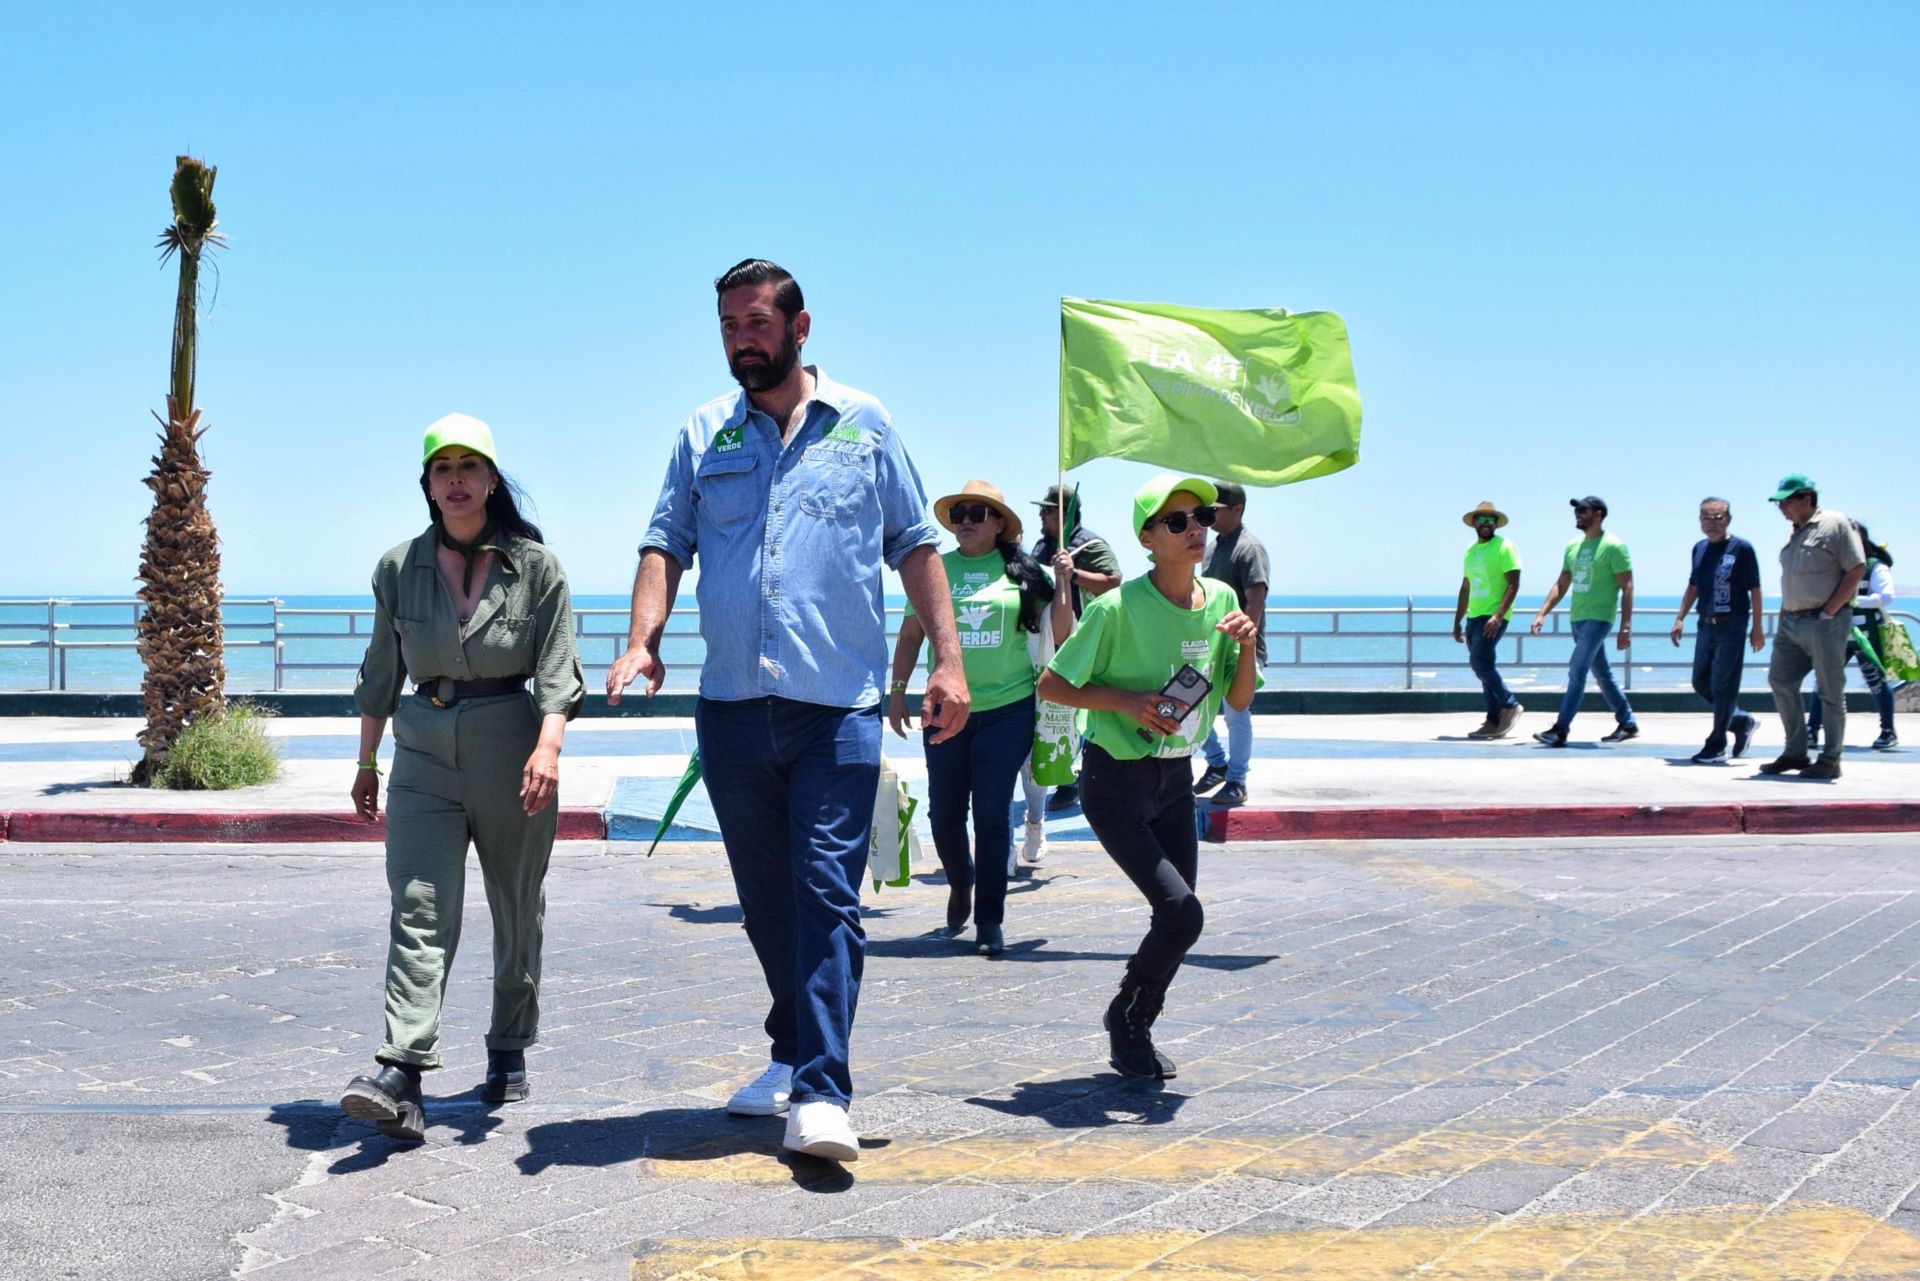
x,y
221,752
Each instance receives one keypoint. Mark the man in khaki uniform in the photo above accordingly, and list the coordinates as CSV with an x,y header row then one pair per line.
x,y
1820,567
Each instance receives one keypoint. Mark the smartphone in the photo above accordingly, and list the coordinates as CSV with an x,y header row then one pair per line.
x,y
1188,687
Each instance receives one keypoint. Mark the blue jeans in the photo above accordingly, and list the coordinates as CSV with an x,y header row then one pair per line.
x,y
1590,654
1239,750
1719,655
1482,652
792,785
1876,685
979,766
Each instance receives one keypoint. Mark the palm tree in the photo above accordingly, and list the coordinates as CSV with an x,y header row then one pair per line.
x,y
179,630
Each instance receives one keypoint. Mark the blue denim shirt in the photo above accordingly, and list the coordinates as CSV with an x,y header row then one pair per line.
x,y
790,540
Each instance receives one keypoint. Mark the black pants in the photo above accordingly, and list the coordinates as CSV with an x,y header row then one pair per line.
x,y
1142,811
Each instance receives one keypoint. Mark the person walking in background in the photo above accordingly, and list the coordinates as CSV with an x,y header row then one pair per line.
x,y
1487,588
793,491
1597,573
1870,604
1240,561
1096,571
473,611
1725,582
1151,663
1001,596
1821,566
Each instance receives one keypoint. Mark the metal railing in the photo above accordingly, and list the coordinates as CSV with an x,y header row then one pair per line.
x,y
1407,644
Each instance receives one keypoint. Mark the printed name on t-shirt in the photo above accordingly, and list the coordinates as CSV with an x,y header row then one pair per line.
x,y
1194,651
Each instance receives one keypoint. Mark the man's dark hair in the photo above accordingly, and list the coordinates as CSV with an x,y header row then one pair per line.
x,y
1714,498
1232,493
758,271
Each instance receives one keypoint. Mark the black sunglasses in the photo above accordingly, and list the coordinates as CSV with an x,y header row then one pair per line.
x,y
1582,507
1176,522
968,513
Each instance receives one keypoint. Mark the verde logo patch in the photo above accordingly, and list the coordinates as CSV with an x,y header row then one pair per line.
x,y
846,431
729,440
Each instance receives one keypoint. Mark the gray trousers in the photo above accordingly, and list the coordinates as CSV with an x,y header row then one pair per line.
x,y
1819,645
456,779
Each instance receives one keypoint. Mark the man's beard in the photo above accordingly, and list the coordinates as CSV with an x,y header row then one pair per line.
x,y
760,375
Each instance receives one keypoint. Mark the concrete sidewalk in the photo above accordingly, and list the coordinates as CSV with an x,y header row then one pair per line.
x,y
1327,776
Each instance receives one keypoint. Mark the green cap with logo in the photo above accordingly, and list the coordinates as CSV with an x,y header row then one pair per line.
x,y
463,430
1154,494
1792,483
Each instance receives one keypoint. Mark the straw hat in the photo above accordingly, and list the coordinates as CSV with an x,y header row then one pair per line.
x,y
980,491
1485,509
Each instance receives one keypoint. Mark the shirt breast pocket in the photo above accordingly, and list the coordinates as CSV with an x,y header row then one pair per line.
x,y
730,488
833,483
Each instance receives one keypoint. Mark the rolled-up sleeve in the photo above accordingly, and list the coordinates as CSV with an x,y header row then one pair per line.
x,y
559,686
905,523
383,670
674,524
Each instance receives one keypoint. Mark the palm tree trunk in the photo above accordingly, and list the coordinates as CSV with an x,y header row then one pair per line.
x,y
179,629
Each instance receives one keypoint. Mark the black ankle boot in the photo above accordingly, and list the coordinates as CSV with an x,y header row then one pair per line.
x,y
391,1099
506,1077
1130,1046
1153,999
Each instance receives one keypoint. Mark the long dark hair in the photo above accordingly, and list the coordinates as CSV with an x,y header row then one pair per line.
x,y
503,507
1036,593
1874,550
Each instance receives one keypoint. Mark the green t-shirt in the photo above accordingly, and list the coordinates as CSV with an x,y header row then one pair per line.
x,y
1488,564
1135,638
986,612
1593,562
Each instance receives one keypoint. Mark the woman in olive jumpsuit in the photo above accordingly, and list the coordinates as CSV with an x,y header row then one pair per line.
x,y
474,613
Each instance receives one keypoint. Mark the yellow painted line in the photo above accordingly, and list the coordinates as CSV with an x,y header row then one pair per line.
x,y
1728,1243
1302,1156
1433,877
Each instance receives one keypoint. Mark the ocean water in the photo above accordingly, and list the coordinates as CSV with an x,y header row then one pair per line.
x,y
1314,642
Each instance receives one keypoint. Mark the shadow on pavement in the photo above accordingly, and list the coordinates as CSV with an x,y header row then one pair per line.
x,y
679,1134
313,1125
724,914
937,945
1090,1102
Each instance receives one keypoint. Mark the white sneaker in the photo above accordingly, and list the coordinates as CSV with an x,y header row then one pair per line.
x,y
766,1096
1033,849
821,1129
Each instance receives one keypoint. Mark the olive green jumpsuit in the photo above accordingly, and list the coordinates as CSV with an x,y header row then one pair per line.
x,y
456,777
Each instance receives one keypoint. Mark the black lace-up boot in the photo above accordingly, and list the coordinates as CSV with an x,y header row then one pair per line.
x,y
1130,1046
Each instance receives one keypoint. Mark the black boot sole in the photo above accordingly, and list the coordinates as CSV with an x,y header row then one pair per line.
x,y
503,1090
409,1127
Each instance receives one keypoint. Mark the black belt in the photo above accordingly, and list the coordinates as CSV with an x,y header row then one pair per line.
x,y
1804,613
444,691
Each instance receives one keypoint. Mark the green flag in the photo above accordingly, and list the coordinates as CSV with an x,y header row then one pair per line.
x,y
1261,397
688,779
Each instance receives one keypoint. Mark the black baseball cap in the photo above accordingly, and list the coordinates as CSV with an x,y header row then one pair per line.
x,y
1591,500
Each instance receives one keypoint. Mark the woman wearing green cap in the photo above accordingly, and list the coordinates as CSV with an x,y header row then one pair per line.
x,y
476,613
1151,663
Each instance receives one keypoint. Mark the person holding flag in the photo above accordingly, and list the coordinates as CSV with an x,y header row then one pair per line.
x,y
1151,665
1000,597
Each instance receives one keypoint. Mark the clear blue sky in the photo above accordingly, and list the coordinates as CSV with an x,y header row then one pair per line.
x,y
1647,251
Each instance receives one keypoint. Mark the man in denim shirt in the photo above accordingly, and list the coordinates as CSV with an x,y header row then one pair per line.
x,y
792,492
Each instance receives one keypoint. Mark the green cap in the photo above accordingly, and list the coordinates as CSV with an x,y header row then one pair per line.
x,y
1792,483
461,429
1154,494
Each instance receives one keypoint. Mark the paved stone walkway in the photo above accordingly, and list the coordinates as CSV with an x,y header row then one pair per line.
x,y
1682,1058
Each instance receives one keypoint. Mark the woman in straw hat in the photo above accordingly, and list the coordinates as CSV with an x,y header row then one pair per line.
x,y
1000,595
1151,663
475,612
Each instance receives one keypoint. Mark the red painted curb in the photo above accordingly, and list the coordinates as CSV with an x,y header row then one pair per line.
x,y
274,826
1834,816
1360,823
